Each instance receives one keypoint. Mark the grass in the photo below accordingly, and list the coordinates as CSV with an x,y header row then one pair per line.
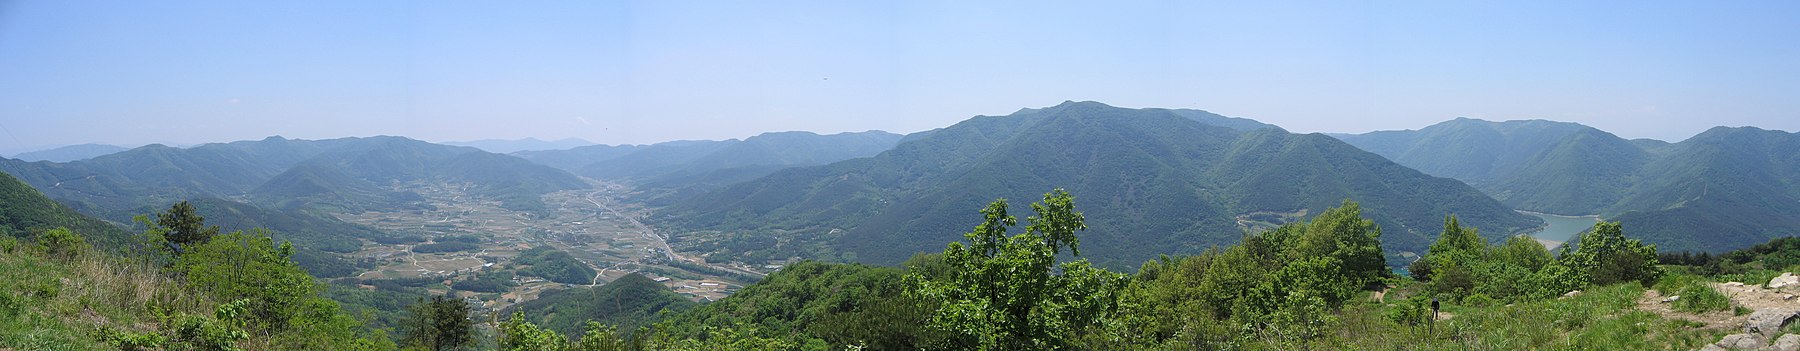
x,y
56,304
1696,295
1602,318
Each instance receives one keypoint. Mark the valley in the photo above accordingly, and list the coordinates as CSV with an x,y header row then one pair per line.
x,y
457,236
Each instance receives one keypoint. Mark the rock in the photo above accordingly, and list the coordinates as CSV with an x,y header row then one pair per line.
x,y
1671,299
1790,342
1768,322
1741,342
1571,293
1787,297
1785,279
1733,284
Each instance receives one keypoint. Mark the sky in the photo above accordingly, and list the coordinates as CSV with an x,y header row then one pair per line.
x,y
176,72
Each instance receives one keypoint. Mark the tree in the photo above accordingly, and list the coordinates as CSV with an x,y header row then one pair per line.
x,y
183,227
1609,257
250,266
517,334
1452,259
1008,293
439,324
1344,234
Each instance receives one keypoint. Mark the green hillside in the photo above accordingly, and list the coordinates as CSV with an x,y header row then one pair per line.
x,y
630,302
25,213
1158,182
1724,189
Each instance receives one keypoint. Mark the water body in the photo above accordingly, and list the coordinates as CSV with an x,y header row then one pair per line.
x,y
1560,227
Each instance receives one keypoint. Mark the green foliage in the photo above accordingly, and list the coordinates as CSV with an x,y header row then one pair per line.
x,y
516,334
62,243
628,302
442,323
183,228
1696,295
250,266
842,305
1005,293
555,265
24,211
1608,257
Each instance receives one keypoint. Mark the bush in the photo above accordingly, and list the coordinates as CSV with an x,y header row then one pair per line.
x,y
1696,295
61,243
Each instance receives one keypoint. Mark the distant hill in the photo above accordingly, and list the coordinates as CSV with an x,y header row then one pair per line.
x,y
353,176
1724,189
1155,181
70,153
1536,165
282,184
630,302
505,146
677,169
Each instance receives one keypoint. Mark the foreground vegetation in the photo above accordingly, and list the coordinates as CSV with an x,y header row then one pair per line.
x,y
1318,284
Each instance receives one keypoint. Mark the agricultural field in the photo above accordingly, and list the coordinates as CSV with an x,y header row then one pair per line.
x,y
459,237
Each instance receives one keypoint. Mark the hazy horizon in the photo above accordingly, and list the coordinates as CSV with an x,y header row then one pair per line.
x,y
185,73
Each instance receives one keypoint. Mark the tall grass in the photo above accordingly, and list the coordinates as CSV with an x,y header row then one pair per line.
x,y
65,303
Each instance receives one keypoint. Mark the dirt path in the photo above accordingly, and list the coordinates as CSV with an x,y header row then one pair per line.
x,y
1753,297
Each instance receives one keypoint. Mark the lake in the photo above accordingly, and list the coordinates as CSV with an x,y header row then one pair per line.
x,y
1560,228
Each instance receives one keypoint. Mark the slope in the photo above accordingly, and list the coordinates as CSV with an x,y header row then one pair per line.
x,y
1723,189
24,212
627,303
1159,183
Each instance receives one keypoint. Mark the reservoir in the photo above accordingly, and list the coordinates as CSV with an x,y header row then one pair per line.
x,y
1560,227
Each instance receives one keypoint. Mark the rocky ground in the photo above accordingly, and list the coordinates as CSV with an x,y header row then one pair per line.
x,y
1772,307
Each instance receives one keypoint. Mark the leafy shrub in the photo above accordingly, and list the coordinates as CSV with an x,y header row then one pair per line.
x,y
1696,295
1478,300
61,243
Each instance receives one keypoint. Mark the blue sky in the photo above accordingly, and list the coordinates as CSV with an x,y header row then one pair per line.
x,y
132,72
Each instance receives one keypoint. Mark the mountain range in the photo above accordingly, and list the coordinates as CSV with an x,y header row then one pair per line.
x,y
502,146
287,185
70,153
1724,189
1153,181
673,170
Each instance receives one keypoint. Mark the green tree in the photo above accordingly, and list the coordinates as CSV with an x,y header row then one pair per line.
x,y
61,243
1608,257
183,227
1453,258
517,334
1344,234
441,323
1007,292
250,266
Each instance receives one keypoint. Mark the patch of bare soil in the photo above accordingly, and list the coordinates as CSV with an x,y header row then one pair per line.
x,y
1753,297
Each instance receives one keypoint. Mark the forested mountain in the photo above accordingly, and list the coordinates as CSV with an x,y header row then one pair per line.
x,y
70,153
673,170
1723,189
1156,181
279,183
24,212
